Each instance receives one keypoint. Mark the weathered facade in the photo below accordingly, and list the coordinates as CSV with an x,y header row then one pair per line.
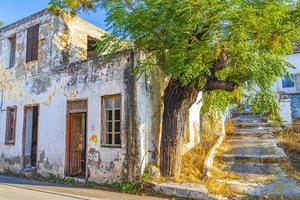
x,y
288,89
66,112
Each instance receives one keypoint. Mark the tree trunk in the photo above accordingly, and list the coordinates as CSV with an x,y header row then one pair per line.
x,y
177,100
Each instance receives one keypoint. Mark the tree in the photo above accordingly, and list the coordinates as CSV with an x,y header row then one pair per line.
x,y
221,48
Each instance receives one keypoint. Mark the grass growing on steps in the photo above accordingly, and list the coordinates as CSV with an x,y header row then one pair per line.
x,y
192,168
290,141
193,160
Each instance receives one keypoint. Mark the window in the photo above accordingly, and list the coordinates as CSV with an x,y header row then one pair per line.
x,y
12,51
111,120
10,126
32,45
91,47
288,81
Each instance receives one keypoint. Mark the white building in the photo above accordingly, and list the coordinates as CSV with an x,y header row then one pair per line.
x,y
67,112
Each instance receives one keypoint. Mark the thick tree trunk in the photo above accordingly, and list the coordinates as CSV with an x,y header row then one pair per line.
x,y
177,100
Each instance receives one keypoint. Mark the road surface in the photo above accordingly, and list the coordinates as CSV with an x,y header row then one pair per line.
x,y
12,188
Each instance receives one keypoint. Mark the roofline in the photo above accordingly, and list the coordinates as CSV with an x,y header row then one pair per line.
x,y
23,20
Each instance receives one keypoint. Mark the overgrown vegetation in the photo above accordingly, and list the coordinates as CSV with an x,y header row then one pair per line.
x,y
193,160
290,140
126,187
221,48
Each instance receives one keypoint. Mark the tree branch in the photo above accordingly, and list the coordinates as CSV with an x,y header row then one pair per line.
x,y
219,84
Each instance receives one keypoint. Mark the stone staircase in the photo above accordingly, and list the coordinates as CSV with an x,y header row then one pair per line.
x,y
255,159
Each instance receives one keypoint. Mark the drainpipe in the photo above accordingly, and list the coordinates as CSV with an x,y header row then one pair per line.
x,y
1,101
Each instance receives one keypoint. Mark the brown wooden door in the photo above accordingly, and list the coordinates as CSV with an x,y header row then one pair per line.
x,y
76,133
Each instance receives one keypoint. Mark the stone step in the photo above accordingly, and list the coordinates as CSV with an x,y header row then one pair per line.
x,y
249,119
244,141
281,187
255,153
252,172
256,124
259,149
250,132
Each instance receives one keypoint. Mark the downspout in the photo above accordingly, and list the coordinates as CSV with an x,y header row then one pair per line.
x,y
1,101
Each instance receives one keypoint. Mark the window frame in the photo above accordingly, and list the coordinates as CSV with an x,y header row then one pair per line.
x,y
12,51
292,79
13,141
88,55
30,55
104,121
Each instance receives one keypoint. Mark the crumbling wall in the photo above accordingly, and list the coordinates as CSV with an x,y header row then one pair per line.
x,y
50,81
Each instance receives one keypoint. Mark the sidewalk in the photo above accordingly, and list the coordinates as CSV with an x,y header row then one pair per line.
x,y
19,186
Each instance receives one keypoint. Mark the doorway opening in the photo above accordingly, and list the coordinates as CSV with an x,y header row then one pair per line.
x,y
76,139
30,136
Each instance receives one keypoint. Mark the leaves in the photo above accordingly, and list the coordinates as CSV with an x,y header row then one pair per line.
x,y
189,37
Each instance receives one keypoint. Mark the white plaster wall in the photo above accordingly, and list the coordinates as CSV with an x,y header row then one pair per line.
x,y
285,111
194,125
294,59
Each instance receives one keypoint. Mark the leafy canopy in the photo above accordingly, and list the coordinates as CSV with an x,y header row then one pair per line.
x,y
221,47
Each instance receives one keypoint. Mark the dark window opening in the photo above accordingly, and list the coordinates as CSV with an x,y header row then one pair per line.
x,y
111,121
288,81
10,126
32,45
12,53
91,47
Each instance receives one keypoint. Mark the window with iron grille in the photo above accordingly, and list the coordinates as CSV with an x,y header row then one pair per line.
x,y
10,134
111,120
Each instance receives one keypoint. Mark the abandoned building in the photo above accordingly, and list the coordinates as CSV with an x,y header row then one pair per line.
x,y
68,112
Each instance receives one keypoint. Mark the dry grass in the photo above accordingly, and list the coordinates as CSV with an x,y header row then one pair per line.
x,y
290,141
193,160
218,188
192,168
229,126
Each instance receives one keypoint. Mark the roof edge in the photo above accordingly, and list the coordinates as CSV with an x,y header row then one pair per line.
x,y
23,20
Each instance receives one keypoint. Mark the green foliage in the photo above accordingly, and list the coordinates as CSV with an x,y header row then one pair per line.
x,y
8,172
189,39
126,187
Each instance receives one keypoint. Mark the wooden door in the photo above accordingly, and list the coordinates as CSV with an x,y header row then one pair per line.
x,y
76,143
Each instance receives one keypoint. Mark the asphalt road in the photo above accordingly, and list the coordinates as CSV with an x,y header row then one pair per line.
x,y
12,188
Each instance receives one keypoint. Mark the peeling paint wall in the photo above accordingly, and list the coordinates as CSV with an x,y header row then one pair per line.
x,y
62,73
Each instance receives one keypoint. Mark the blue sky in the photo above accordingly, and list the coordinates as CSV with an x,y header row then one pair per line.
x,y
13,10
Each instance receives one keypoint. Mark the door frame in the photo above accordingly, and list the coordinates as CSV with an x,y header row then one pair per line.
x,y
24,133
67,140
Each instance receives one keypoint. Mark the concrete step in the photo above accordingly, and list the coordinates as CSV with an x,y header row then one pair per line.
x,y
249,119
245,141
250,132
281,187
255,125
252,171
255,153
254,149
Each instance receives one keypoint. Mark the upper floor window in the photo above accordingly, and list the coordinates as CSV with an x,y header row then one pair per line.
x,y
91,47
111,120
32,45
10,133
288,81
12,51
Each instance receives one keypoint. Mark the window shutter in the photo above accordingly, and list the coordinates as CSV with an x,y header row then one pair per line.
x,y
35,42
32,43
29,44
